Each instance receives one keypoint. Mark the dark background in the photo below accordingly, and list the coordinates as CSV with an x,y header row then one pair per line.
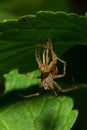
x,y
16,8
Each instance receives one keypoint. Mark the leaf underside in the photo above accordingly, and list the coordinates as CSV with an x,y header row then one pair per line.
x,y
19,38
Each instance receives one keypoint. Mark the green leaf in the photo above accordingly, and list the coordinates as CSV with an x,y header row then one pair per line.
x,y
17,51
16,81
39,113
18,37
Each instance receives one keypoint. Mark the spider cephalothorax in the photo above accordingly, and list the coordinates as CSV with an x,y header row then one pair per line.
x,y
49,70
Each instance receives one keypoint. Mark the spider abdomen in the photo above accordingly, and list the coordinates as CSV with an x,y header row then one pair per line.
x,y
47,83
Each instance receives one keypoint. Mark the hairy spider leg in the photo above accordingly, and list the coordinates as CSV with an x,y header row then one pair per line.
x,y
47,47
49,44
28,96
45,60
54,60
63,90
53,92
32,95
64,69
54,57
32,76
47,56
38,58
44,57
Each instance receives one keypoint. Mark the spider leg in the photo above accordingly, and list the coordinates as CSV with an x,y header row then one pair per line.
x,y
28,96
31,95
38,59
54,92
54,61
47,56
32,76
64,69
63,90
54,58
44,56
46,52
48,44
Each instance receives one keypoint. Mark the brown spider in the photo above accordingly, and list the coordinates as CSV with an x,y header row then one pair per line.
x,y
49,70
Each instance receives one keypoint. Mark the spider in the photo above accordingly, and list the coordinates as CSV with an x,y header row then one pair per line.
x,y
49,70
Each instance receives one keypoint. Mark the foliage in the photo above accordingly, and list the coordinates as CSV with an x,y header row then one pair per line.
x,y
18,39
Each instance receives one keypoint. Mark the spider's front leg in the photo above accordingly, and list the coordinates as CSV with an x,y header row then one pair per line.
x,y
38,59
48,47
54,60
45,59
54,57
46,56
64,69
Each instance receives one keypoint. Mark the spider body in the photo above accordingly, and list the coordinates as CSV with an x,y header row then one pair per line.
x,y
49,70
47,81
